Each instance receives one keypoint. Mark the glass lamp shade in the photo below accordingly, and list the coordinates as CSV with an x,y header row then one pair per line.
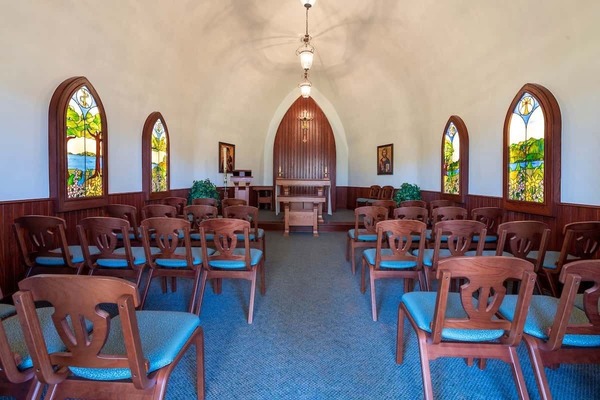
x,y
305,89
308,3
306,57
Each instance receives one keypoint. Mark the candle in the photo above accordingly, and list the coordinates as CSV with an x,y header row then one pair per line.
x,y
326,170
280,169
224,160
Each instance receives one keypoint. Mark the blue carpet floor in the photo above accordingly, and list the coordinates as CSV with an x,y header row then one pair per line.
x,y
313,338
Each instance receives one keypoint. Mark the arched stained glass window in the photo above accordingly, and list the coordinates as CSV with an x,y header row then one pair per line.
x,y
532,151
77,137
155,157
455,160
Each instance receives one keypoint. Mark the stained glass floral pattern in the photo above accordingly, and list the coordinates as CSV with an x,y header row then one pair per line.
x,y
84,146
451,166
526,151
159,158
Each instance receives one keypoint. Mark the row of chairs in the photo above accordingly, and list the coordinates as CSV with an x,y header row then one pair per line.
x,y
376,192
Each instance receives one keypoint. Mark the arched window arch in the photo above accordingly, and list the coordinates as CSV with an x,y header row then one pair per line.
x,y
455,160
78,140
532,131
156,169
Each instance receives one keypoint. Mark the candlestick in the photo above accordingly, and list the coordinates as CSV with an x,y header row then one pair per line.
x,y
224,160
326,170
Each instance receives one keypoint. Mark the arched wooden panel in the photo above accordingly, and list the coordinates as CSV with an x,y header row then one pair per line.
x,y
304,146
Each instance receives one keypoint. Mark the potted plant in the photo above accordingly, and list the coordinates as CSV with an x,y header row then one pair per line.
x,y
407,191
203,189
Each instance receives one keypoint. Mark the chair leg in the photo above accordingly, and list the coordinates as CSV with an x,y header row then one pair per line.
x,y
173,284
263,287
147,288
352,258
362,276
251,304
201,295
200,389
518,373
195,290
373,300
400,336
422,283
538,367
426,372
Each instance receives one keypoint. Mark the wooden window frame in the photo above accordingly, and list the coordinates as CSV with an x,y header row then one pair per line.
x,y
552,148
463,137
57,147
147,157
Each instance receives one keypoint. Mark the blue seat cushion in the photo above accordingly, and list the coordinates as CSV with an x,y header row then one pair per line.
x,y
369,254
365,237
487,253
429,236
180,235
255,257
421,306
541,316
179,263
139,257
579,301
163,334
6,310
76,256
488,239
428,255
362,199
252,235
14,334
132,235
196,236
550,258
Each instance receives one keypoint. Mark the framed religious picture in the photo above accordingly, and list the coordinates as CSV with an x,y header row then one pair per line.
x,y
226,157
385,159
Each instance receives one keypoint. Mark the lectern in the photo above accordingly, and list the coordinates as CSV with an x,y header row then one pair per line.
x,y
241,180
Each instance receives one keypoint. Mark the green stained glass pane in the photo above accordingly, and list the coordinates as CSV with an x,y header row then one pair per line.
x,y
159,157
451,167
84,146
526,151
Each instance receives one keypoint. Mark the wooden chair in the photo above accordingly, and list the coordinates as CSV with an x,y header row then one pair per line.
x,y
373,195
129,213
386,193
581,242
491,217
412,213
195,214
556,332
457,236
396,260
465,326
232,202
109,362
205,201
250,214
527,240
43,246
159,210
175,258
413,203
228,261
444,213
178,202
389,204
99,237
366,217
433,204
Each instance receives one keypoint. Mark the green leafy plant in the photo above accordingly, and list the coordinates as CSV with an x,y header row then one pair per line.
x,y
407,191
203,189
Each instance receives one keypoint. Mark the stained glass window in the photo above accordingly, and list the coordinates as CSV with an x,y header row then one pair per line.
x,y
455,160
155,157
532,127
84,146
159,157
77,137
451,167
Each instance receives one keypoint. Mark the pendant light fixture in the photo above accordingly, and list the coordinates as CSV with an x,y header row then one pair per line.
x,y
306,53
305,86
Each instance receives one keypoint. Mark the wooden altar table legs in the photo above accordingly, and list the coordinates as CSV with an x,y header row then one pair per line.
x,y
301,218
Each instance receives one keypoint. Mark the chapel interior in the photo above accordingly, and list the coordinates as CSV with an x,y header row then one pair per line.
x,y
113,111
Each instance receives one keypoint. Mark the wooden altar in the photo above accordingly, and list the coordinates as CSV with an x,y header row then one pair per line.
x,y
323,188
242,187
302,209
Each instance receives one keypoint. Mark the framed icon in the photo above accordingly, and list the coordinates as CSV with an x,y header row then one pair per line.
x,y
226,157
385,159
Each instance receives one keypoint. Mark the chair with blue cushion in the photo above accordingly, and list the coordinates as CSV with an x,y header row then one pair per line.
x,y
389,204
453,238
129,213
372,195
232,202
395,260
130,355
230,262
433,204
444,213
364,234
527,240
581,242
43,245
464,324
170,254
413,203
205,201
557,332
197,213
100,238
492,217
178,202
415,213
159,210
250,214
